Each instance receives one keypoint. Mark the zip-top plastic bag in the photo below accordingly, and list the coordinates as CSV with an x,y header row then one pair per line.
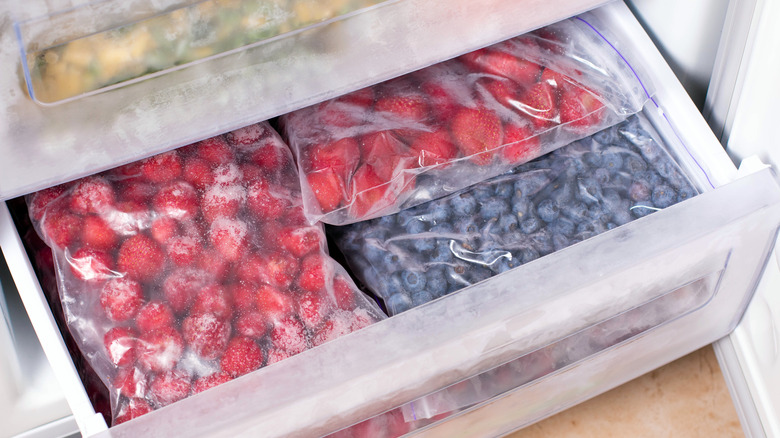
x,y
576,192
193,267
424,135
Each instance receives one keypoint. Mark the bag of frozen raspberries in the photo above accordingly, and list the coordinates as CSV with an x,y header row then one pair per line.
x,y
191,268
429,133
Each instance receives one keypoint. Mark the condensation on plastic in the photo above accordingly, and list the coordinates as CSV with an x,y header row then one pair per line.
x,y
578,191
193,267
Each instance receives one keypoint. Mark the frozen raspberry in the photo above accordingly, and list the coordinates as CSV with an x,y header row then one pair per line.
x,y
92,195
98,234
62,229
197,172
301,240
269,156
222,201
132,408
160,350
267,201
131,382
272,303
242,356
91,265
206,334
212,299
343,293
213,263
169,387
162,168
279,270
228,174
141,258
289,335
277,355
177,200
40,200
154,315
183,250
214,150
313,307
315,273
251,325
229,237
182,286
121,345
210,381
121,298
246,136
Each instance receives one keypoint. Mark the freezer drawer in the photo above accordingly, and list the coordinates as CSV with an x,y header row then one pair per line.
x,y
703,255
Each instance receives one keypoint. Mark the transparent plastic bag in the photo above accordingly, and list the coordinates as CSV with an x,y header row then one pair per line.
x,y
576,192
193,267
424,135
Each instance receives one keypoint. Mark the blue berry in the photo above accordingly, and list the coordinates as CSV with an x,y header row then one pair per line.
x,y
493,208
399,303
504,264
650,177
639,191
560,241
590,190
607,137
521,206
393,284
481,192
530,225
663,196
386,221
542,241
422,244
455,275
641,209
547,210
528,184
505,190
436,281
612,162
507,223
421,297
592,159
528,254
405,216
412,281
415,226
564,194
576,211
440,212
442,229
373,253
466,226
463,204
475,274
563,226
633,164
442,252
685,193
601,175
390,260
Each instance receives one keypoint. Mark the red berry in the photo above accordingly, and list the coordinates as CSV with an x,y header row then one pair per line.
x,y
210,381
121,298
141,258
98,234
182,286
328,189
92,195
246,136
338,325
502,90
540,103
177,200
61,229
215,150
183,250
40,200
135,190
344,292
477,131
164,228
121,345
315,273
405,107
243,297
229,237
251,325
162,168
342,156
277,355
251,172
521,144
131,382
288,334
444,89
169,387
197,172
206,334
130,217
313,307
214,264
228,174
370,193
91,265
267,201
272,303
501,63
300,241
222,201
340,114
160,350
580,109
132,408
556,80
212,299
241,356
154,315
250,270
434,148
270,156
279,270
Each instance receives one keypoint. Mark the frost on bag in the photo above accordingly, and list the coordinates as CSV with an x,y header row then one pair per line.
x,y
421,136
576,192
188,269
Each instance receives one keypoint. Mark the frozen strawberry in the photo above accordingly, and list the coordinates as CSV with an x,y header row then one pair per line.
x,y
243,297
206,334
250,270
343,292
131,382
141,258
246,136
540,104
269,157
406,108
556,80
434,148
177,200
98,234
444,90
383,149
162,168
164,228
362,98
135,191
277,355
183,250
251,172
342,113
182,286
580,108
121,298
241,357
289,334
215,150
62,229
40,200
503,91
388,425
222,201
267,201
508,65
313,307
92,195
210,381
131,408
476,132
169,387
315,273
91,264
214,264
333,328
369,192
228,174
197,172
300,241
121,345
279,270
160,350
521,144
251,325
342,156
272,303
328,189
212,299
229,237
154,315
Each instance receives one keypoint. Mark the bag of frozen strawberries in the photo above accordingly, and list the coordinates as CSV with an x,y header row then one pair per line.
x,y
412,139
193,267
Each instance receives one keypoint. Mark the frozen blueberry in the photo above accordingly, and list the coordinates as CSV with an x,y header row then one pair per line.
x,y
481,192
564,194
639,191
476,273
423,244
442,252
547,210
376,233
505,190
521,206
663,196
560,241
455,275
440,212
386,221
405,216
590,190
374,253
576,211
527,254
686,192
398,303
504,264
421,297
415,226
436,281
633,164
542,241
463,204
601,175
466,225
641,209
529,225
592,159
412,281
390,260
393,284
650,177
493,208
613,162
507,223
607,137
529,183
587,229
563,226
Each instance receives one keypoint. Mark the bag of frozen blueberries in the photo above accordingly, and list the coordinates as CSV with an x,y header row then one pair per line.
x,y
424,135
188,269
